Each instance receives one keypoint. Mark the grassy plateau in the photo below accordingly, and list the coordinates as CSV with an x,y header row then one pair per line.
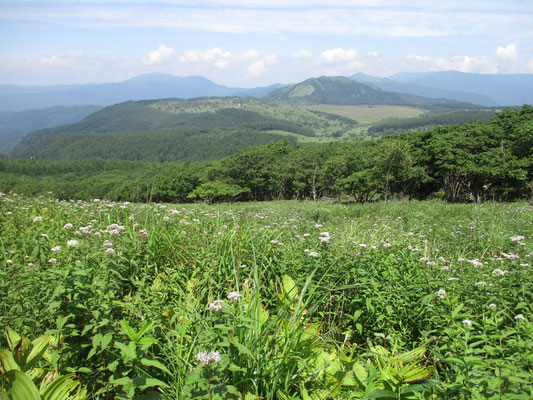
x,y
278,300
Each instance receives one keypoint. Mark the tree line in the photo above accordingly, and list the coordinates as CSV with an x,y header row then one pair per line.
x,y
476,161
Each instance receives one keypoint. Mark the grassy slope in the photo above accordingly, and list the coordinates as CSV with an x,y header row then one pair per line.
x,y
369,285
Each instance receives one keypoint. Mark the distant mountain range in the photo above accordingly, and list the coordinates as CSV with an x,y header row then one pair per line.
x,y
142,87
482,89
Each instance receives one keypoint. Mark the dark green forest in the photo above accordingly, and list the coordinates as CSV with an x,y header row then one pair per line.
x,y
99,131
429,121
476,161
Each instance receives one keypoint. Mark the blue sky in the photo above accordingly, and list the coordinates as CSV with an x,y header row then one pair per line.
x,y
259,42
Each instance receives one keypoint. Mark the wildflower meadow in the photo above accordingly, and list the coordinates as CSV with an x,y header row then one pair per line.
x,y
279,300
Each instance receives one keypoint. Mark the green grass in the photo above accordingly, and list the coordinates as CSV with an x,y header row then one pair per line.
x,y
397,299
367,115
321,124
324,127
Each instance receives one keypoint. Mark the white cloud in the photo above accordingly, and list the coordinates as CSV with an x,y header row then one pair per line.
x,y
271,59
257,68
463,63
62,60
158,56
248,55
63,68
428,19
302,54
221,63
336,55
212,55
508,52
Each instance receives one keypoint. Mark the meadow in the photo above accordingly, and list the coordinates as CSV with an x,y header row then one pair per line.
x,y
271,300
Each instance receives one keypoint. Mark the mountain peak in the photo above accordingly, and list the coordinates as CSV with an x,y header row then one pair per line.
x,y
343,90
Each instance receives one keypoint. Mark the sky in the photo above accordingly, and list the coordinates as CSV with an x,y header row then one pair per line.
x,y
259,42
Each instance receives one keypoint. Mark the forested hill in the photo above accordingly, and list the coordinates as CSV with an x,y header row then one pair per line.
x,y
15,125
146,117
475,161
341,90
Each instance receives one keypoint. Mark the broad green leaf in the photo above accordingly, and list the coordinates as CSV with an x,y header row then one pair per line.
x,y
251,396
91,353
156,364
97,339
242,349
128,352
235,368
13,338
146,327
290,291
457,310
144,382
412,355
382,394
146,342
22,351
7,361
61,388
20,387
120,381
105,340
40,345
128,330
419,373
360,373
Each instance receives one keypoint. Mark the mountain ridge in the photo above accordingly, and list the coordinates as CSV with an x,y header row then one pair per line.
x,y
483,89
345,91
140,87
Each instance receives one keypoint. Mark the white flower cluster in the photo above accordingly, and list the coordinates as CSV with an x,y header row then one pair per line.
x,y
511,256
217,305
499,272
475,263
207,358
324,237
234,296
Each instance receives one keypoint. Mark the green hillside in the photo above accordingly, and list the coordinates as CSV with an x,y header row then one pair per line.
x,y
315,111
425,122
341,90
229,117
182,144
15,125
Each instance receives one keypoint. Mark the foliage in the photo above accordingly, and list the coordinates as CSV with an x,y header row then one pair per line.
x,y
430,121
473,162
280,300
21,372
